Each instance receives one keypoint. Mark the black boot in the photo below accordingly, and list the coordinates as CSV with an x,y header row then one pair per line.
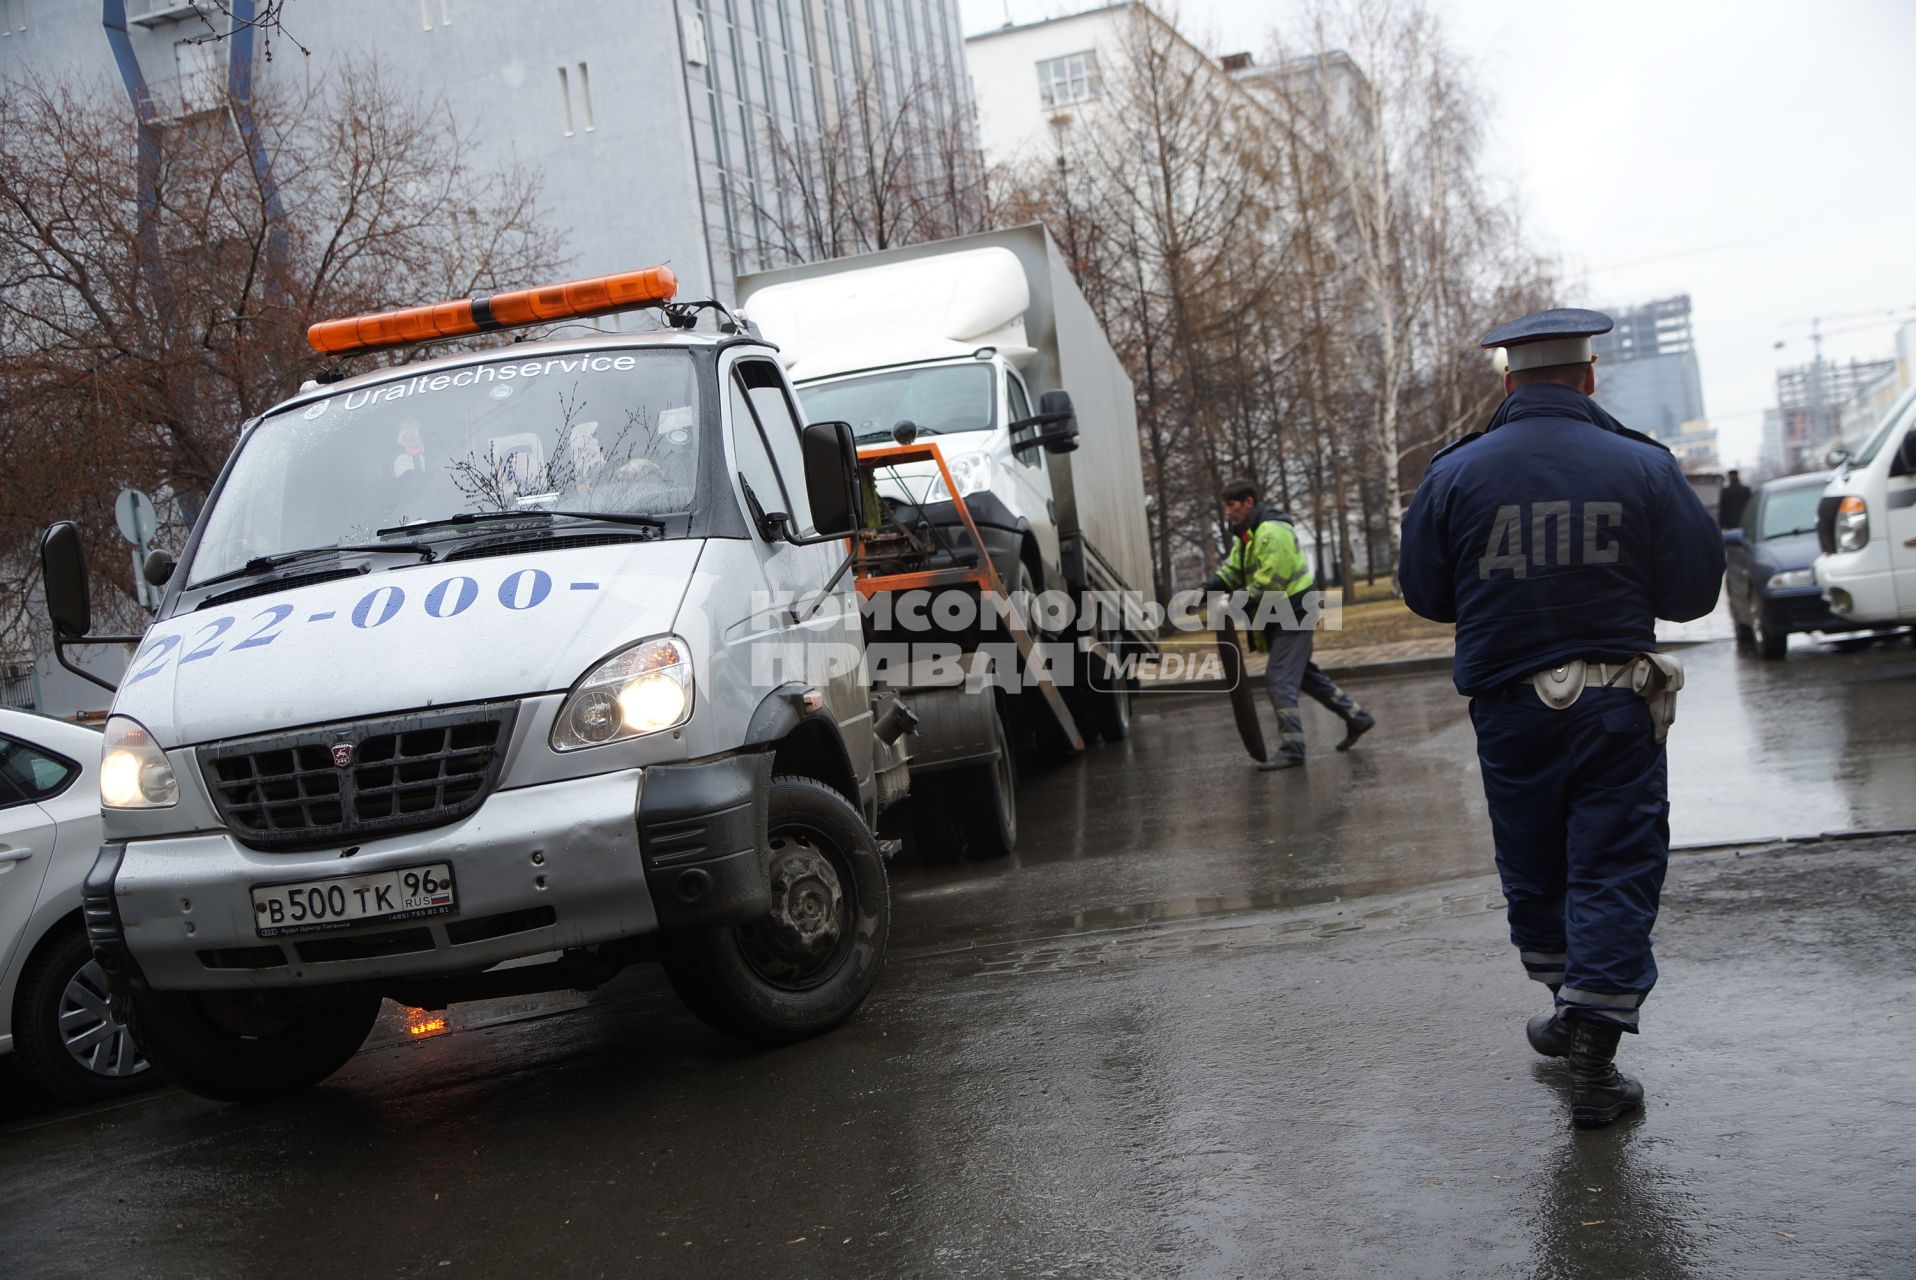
x,y
1356,727
1549,1034
1601,1093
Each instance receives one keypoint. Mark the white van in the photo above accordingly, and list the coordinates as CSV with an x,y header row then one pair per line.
x,y
462,664
1866,525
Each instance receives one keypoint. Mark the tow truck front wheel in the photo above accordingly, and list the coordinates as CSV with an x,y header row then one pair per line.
x,y
808,965
248,1046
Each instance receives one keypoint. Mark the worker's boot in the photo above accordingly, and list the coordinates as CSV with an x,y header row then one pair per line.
x,y
1356,727
1282,760
1600,1093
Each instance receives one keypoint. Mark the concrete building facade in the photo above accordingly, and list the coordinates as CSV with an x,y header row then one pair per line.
x,y
648,119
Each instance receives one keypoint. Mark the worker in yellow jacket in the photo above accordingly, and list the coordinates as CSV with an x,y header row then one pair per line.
x,y
1264,557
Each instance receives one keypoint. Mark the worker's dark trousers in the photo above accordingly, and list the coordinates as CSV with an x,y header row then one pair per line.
x,y
1580,812
1290,672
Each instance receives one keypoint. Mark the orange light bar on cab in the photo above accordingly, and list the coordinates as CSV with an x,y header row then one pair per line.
x,y
570,301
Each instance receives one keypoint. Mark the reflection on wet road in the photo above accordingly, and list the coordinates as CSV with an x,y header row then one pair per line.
x,y
1176,821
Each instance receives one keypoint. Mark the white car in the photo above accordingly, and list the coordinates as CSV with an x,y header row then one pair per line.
x,y
53,998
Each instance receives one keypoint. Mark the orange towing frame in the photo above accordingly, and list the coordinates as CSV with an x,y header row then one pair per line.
x,y
984,576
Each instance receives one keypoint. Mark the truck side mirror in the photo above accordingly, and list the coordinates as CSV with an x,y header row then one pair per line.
x,y
63,571
1060,432
831,461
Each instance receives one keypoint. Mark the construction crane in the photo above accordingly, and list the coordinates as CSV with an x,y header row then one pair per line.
x,y
1814,379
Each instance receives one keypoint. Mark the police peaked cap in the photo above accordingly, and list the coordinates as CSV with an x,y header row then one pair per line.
x,y
1560,335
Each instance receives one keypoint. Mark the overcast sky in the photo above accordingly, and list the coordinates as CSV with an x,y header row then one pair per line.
x,y
1758,155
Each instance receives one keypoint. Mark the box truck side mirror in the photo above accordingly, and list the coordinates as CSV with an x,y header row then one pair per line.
x,y
63,570
1057,425
1060,434
831,463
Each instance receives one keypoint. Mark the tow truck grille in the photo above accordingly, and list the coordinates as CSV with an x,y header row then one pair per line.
x,y
399,773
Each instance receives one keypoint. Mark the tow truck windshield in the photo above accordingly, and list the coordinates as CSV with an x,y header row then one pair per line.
x,y
940,399
611,435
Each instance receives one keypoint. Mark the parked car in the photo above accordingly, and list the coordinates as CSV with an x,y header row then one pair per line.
x,y
1771,581
54,1011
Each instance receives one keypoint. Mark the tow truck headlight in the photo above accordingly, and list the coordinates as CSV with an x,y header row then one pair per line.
x,y
644,689
1791,578
971,472
1852,524
134,772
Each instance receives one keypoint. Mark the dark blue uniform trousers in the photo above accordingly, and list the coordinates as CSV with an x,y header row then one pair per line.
x,y
1579,808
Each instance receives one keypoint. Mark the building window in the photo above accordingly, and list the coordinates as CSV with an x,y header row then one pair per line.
x,y
1072,78
585,98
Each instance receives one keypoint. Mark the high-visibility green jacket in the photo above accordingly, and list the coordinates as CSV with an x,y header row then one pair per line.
x,y
1263,556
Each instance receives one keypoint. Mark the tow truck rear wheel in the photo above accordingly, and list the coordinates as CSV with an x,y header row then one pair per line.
x,y
969,812
248,1046
807,966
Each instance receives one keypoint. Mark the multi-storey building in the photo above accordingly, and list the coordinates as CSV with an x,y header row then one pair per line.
x,y
1647,375
651,122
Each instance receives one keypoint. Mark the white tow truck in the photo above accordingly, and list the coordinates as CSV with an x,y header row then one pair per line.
x,y
544,650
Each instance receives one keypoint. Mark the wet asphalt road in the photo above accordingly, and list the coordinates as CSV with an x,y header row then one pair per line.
x,y
1210,1023
1176,822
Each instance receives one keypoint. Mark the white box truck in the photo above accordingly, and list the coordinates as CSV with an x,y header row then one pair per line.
x,y
985,345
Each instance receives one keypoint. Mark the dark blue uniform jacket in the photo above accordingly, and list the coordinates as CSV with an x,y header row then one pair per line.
x,y
1555,533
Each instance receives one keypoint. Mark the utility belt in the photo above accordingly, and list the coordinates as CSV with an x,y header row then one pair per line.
x,y
1654,677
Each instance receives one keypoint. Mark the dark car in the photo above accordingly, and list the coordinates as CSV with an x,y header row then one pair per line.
x,y
1772,587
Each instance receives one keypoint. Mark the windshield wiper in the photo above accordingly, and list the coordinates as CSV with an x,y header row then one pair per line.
x,y
871,437
266,564
481,517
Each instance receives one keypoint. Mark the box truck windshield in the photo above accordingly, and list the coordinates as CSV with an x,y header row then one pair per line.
x,y
940,399
606,434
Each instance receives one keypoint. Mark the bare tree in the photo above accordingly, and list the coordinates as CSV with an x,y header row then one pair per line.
x,y
155,291
1159,195
873,176
1384,129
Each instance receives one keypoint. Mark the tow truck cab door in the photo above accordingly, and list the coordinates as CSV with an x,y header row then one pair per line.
x,y
763,451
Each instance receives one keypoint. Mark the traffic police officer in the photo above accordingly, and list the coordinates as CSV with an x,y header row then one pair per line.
x,y
1554,538
1264,557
